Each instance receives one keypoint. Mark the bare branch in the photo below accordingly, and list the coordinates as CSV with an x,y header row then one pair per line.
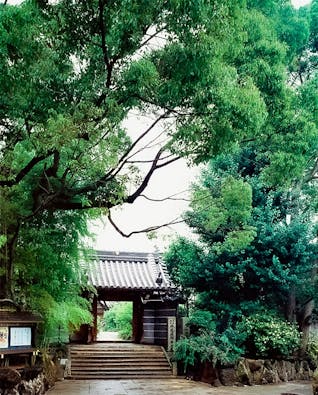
x,y
143,185
148,160
168,162
122,161
146,230
151,36
171,197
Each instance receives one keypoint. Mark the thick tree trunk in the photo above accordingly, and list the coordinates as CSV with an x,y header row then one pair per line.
x,y
291,305
304,321
305,313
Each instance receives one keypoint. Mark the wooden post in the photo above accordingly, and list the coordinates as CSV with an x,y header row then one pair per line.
x,y
94,329
137,326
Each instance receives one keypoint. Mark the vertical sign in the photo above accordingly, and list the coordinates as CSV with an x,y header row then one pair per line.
x,y
172,332
4,337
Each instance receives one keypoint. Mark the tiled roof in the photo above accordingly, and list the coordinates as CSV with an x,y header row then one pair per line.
x,y
129,271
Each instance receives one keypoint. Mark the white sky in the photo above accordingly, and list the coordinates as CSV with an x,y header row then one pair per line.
x,y
300,3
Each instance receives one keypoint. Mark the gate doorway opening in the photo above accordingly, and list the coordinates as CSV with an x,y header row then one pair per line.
x,y
114,321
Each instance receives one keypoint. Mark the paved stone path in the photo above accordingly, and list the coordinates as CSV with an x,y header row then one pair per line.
x,y
170,387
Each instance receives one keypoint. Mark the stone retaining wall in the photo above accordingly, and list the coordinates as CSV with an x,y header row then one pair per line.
x,y
254,371
259,371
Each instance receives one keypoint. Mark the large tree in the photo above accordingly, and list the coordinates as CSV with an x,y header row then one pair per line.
x,y
255,250
71,72
208,74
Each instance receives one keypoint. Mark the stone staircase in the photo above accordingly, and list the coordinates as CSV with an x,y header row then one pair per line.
x,y
118,361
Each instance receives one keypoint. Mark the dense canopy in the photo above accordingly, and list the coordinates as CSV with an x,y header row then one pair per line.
x,y
209,75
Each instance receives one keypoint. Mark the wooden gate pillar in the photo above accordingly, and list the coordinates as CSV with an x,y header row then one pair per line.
x,y
94,312
137,318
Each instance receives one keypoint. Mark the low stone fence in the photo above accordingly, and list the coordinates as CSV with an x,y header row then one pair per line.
x,y
258,371
254,371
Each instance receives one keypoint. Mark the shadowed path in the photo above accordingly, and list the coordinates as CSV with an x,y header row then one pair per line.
x,y
171,387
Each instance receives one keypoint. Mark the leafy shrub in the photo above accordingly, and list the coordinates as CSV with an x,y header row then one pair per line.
x,y
201,320
60,319
207,346
119,319
312,348
267,335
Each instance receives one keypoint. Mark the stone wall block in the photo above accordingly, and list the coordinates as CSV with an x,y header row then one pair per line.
x,y
228,376
255,364
243,372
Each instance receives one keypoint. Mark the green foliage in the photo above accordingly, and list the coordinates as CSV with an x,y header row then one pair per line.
x,y
72,73
201,320
312,348
119,319
60,318
271,268
207,346
268,335
3,240
48,277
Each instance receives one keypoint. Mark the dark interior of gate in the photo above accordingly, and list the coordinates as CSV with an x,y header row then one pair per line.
x,y
141,278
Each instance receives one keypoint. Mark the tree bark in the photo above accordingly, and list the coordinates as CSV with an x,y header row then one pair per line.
x,y
291,305
304,321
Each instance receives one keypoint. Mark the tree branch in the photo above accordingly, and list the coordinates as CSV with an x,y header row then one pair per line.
x,y
143,185
312,174
122,160
22,173
103,32
151,36
146,230
171,197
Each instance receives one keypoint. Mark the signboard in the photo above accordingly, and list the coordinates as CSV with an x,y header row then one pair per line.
x,y
172,332
20,337
4,337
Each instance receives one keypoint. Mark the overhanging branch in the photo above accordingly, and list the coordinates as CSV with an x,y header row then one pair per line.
x,y
23,172
145,230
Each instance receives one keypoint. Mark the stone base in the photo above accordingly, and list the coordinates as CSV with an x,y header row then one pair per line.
x,y
255,372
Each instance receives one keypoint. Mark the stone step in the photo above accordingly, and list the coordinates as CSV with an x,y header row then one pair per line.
x,y
118,353
108,362
118,356
93,352
114,347
83,363
119,377
122,367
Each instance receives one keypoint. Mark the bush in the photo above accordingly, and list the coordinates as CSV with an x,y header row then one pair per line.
x,y
267,335
218,349
312,348
201,320
119,319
